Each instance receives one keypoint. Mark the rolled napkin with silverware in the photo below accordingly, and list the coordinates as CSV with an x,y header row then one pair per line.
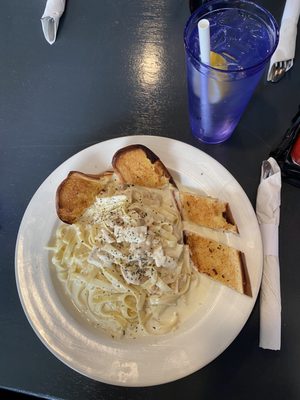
x,y
283,57
50,19
268,214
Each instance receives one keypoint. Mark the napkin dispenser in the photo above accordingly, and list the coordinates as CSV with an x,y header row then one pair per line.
x,y
287,154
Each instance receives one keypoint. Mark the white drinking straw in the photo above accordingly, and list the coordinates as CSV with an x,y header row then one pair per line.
x,y
214,92
204,44
204,40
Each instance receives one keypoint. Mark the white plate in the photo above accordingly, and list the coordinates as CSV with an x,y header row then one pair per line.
x,y
149,360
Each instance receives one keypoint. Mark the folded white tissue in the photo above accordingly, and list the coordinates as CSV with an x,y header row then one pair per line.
x,y
50,19
268,213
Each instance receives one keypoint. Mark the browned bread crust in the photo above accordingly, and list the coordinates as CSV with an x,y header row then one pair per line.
x,y
138,165
222,263
207,211
77,192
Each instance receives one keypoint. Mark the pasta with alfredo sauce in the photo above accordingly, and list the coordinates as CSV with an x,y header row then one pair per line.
x,y
124,264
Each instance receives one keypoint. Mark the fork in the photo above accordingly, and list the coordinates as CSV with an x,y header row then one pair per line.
x,y
279,69
283,57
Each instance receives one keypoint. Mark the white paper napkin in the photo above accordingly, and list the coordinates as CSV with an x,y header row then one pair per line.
x,y
287,35
268,213
50,19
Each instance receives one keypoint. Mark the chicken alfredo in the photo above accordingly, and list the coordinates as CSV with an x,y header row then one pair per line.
x,y
124,263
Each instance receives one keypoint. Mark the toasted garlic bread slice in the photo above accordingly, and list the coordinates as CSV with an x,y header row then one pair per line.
x,y
207,211
77,192
138,165
222,263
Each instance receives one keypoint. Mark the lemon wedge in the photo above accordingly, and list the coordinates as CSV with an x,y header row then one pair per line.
x,y
216,88
217,61
213,88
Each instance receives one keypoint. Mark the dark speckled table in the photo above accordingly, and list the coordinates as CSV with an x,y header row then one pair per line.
x,y
117,68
